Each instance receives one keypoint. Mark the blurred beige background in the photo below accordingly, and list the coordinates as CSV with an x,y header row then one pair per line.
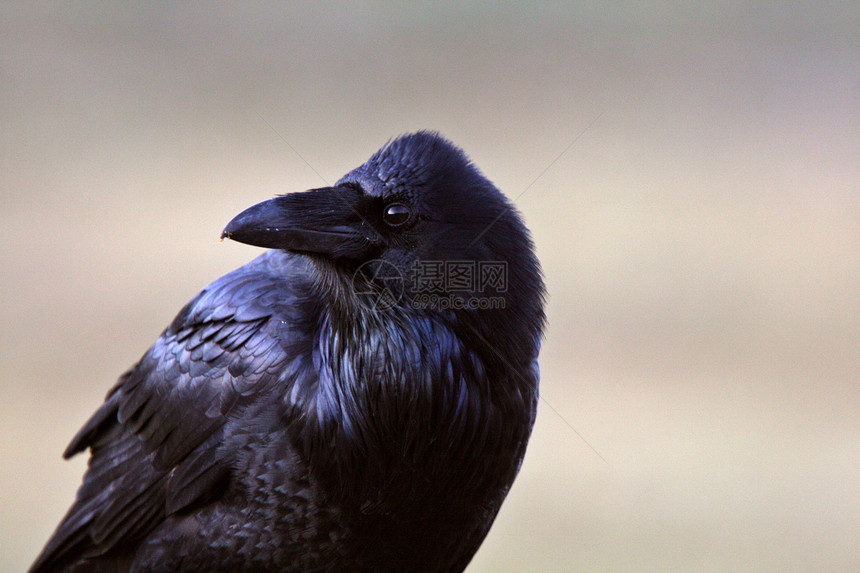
x,y
691,175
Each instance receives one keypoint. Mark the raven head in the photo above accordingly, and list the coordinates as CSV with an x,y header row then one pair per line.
x,y
419,223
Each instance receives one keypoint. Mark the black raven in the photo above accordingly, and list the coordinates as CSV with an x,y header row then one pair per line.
x,y
357,398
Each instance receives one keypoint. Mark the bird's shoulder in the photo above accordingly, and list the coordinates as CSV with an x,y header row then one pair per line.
x,y
158,441
224,347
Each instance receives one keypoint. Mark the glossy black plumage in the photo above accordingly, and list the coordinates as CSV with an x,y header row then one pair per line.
x,y
304,412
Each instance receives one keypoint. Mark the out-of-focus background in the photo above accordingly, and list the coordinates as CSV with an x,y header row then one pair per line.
x,y
691,175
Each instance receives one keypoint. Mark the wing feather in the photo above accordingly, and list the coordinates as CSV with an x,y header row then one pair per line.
x,y
156,440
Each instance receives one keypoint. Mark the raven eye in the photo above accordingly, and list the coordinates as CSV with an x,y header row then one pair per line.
x,y
395,214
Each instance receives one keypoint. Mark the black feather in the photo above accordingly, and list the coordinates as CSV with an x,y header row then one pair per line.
x,y
308,412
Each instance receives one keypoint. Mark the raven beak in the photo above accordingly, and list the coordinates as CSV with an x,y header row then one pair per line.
x,y
322,221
